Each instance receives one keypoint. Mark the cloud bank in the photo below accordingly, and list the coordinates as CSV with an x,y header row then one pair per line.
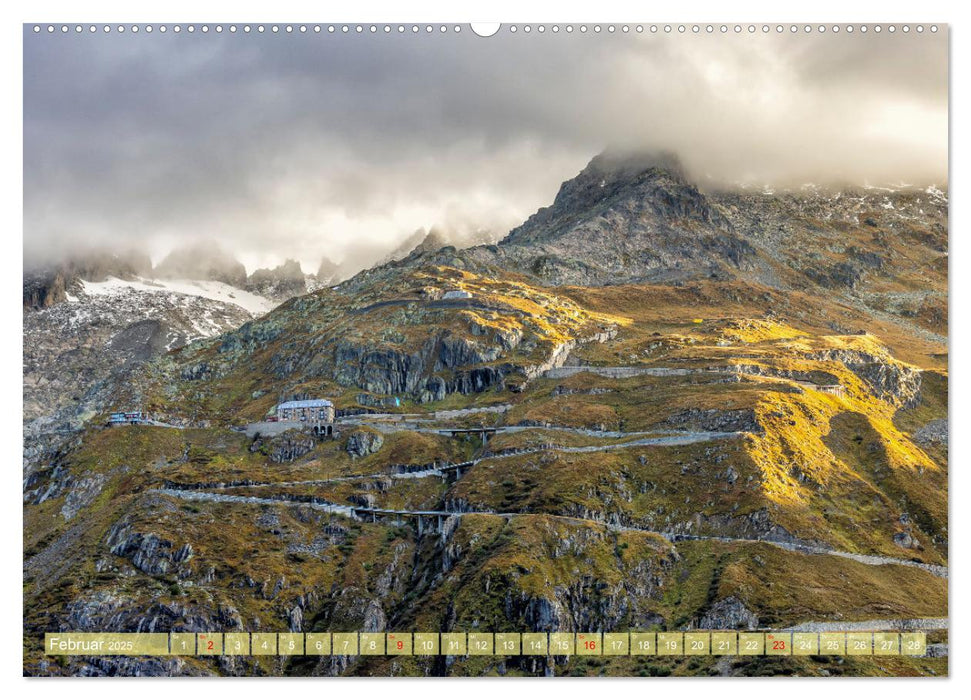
x,y
313,145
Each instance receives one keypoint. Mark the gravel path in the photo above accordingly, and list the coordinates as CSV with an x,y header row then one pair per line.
x,y
625,372
868,559
920,624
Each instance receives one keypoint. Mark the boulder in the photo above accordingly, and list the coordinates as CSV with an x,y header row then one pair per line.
x,y
728,614
364,442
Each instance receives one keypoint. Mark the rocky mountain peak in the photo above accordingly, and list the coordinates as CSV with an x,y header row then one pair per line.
x,y
281,282
626,167
632,185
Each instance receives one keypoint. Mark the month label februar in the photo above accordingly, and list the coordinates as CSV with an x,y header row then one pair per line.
x,y
118,644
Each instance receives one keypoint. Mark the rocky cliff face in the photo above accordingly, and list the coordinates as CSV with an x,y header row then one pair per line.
x,y
362,443
402,341
889,379
49,284
43,289
441,366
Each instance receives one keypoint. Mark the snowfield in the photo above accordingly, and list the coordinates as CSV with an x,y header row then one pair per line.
x,y
216,291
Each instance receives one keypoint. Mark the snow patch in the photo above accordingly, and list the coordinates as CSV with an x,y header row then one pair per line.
x,y
936,195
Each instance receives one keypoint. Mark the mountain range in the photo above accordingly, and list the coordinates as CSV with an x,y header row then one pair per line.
x,y
653,405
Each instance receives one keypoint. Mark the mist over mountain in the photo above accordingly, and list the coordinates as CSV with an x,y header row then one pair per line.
x,y
206,261
641,216
352,182
47,282
327,271
430,240
628,216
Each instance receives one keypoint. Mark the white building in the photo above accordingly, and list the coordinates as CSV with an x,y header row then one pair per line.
x,y
457,294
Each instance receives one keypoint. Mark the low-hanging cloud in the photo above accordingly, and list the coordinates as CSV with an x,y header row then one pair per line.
x,y
312,145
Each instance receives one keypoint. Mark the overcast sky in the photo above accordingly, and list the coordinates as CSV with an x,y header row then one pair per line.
x,y
301,146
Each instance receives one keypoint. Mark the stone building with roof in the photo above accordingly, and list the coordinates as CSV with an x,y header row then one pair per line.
x,y
319,413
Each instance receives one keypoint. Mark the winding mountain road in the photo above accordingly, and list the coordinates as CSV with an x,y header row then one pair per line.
x,y
357,511
666,440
